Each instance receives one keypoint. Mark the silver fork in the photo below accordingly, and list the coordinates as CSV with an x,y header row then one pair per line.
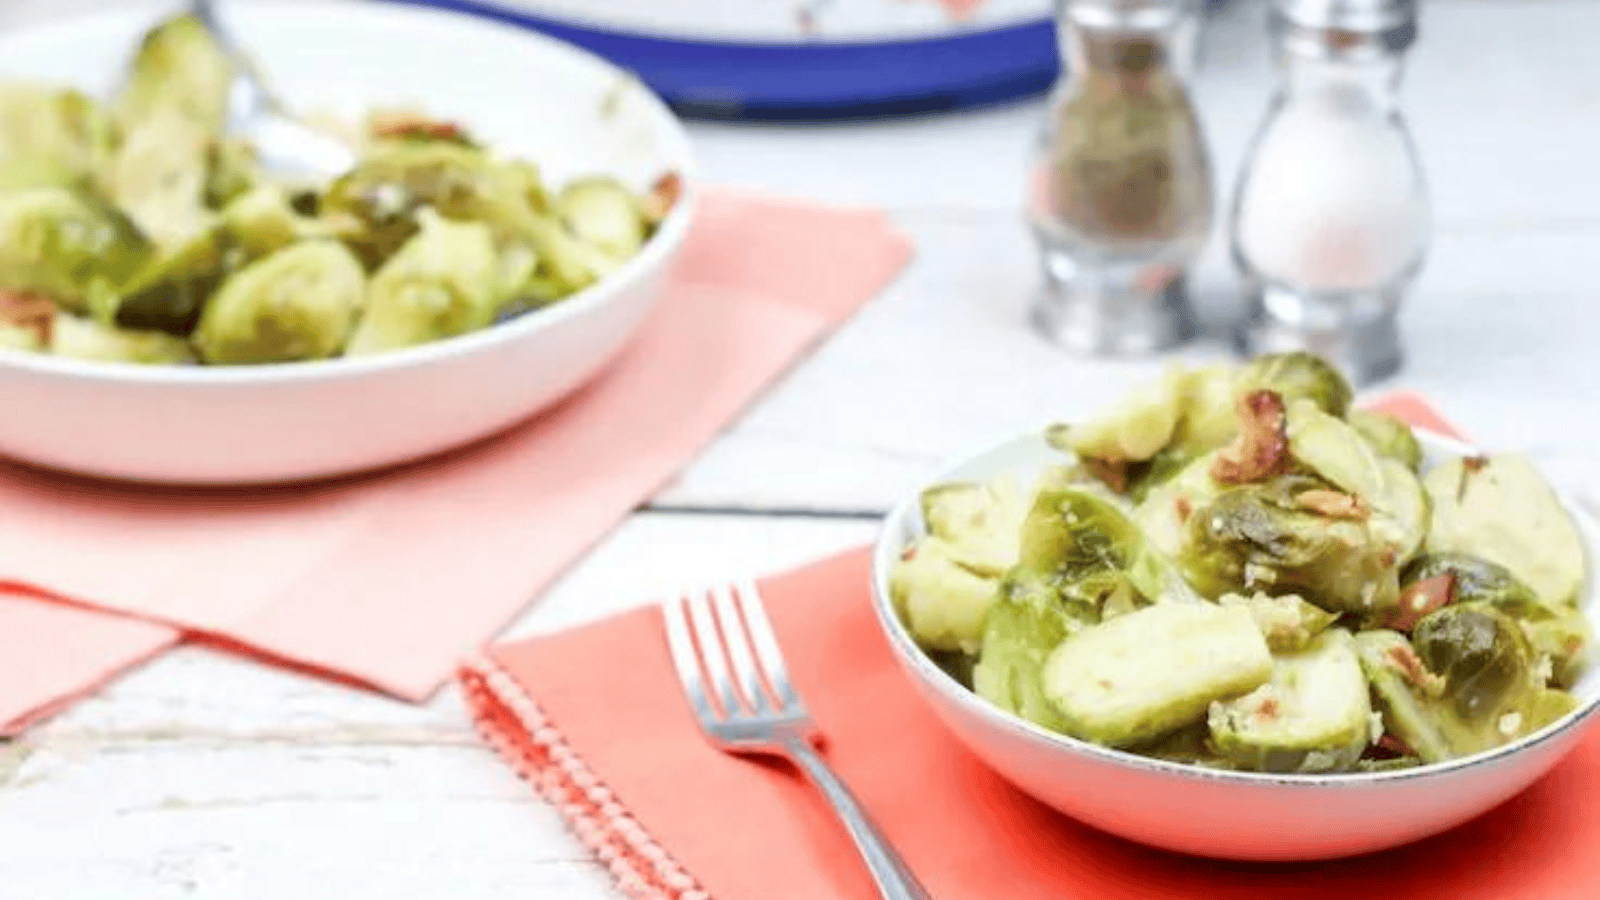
x,y
755,710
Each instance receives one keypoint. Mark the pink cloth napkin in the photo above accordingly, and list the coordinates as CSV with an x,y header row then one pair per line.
x,y
387,581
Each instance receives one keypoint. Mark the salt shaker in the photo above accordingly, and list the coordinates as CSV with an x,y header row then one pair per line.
x,y
1330,222
1120,193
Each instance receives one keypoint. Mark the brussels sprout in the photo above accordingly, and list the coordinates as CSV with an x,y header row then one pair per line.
x,y
1021,629
1146,674
19,338
61,243
262,221
1467,681
1337,453
601,212
169,290
1500,509
50,137
1387,436
1190,745
1086,550
1562,635
81,338
232,170
296,304
1261,537
981,521
1313,716
1288,622
942,600
1297,375
442,283
1143,423
394,181
159,176
1164,513
178,68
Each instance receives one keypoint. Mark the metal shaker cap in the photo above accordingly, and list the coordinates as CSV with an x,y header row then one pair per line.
x,y
1393,21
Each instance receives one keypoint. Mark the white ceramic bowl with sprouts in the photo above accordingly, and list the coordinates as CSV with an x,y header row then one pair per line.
x,y
524,95
1206,812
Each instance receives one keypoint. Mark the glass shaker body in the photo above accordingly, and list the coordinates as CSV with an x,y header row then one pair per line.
x,y
1331,219
1120,193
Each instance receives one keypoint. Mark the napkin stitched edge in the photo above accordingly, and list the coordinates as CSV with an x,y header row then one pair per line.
x,y
514,725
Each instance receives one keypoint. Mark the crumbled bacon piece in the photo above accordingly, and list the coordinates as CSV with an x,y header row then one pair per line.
x,y
1394,745
30,311
1333,504
663,196
1262,448
1184,508
1409,665
1420,599
1113,472
414,125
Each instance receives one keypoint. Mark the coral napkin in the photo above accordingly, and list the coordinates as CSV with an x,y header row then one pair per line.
x,y
595,720
388,581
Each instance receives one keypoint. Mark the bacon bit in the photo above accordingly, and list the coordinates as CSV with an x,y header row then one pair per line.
x,y
1420,599
1262,448
30,311
908,554
663,196
1268,708
1114,472
411,125
1184,508
1409,665
1333,504
1394,745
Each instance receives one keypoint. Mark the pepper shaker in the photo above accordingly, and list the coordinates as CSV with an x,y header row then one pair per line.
x,y
1120,200
1330,222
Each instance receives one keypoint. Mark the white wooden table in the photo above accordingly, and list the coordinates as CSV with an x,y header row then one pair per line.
x,y
202,775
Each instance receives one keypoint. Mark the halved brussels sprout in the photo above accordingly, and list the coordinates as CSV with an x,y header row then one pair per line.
x,y
50,137
1297,375
169,290
159,177
601,212
1313,716
1141,676
981,520
443,282
1387,436
1499,508
65,245
178,68
1164,513
81,338
232,170
1264,537
15,337
297,304
1561,634
1021,629
262,220
941,599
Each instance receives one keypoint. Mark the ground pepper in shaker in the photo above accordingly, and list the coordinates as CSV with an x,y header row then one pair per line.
x,y
1330,220
1120,197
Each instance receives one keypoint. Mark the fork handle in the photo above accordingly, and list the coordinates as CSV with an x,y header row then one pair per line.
x,y
894,878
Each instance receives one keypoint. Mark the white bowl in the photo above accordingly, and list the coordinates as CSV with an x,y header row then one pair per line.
x,y
1230,815
523,94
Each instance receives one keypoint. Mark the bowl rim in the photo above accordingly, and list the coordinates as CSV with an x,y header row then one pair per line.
x,y
657,251
886,547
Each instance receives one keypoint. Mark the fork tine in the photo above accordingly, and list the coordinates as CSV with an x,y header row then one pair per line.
x,y
686,660
765,643
733,633
704,626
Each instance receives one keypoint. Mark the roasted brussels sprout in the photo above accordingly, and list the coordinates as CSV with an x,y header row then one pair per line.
x,y
1500,509
599,211
169,290
443,282
1143,675
1018,634
298,303
81,338
1297,375
178,68
263,220
1313,716
159,175
1387,436
65,245
50,137
232,170
982,521
1269,537
1560,634
941,599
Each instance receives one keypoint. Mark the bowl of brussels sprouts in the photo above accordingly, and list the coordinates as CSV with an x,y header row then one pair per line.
x,y
173,310
1238,616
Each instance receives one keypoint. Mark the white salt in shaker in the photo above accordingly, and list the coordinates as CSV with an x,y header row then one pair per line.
x,y
1330,222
